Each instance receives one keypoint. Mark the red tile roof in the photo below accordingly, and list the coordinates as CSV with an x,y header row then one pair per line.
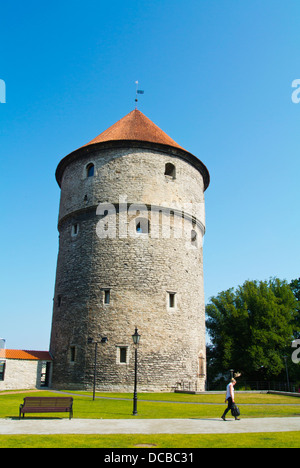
x,y
25,354
135,126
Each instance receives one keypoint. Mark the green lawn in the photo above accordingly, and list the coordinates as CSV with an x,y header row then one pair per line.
x,y
158,405
156,441
161,405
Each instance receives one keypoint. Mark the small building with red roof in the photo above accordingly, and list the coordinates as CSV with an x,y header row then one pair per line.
x,y
24,369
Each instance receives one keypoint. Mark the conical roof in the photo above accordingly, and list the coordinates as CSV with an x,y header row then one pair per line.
x,y
135,126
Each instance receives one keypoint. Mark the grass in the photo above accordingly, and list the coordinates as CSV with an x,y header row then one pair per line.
x,y
157,405
246,398
155,441
160,405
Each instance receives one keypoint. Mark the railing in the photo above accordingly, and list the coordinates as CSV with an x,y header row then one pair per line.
x,y
241,385
255,385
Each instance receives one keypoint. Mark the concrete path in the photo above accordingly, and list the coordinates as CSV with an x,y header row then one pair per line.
x,y
147,426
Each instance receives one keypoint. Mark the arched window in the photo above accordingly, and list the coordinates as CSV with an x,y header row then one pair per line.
x,y
170,170
90,169
142,226
172,300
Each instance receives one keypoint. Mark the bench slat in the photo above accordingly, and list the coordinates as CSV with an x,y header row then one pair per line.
x,y
46,402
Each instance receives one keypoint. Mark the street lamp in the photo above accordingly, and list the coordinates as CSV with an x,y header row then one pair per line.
x,y
90,341
136,339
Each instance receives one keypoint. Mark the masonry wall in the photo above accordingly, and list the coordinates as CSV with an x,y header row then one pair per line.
x,y
137,173
139,270
21,374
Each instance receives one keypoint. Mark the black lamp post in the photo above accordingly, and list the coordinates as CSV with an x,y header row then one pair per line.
x,y
90,341
136,340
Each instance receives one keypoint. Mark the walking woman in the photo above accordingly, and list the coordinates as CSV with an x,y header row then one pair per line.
x,y
229,398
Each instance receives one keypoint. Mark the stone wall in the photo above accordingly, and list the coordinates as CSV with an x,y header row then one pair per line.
x,y
137,173
21,374
138,269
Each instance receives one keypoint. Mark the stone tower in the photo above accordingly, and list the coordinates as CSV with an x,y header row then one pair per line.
x,y
131,223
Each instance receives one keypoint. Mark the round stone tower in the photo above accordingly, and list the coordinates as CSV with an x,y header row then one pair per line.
x,y
131,223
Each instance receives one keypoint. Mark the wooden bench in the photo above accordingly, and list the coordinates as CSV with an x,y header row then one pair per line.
x,y
47,405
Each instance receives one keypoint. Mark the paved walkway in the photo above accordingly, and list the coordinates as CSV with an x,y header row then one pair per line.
x,y
147,426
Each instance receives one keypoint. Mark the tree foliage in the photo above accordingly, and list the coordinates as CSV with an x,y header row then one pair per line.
x,y
295,287
251,328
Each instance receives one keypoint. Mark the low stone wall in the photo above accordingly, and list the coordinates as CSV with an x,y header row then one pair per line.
x,y
21,374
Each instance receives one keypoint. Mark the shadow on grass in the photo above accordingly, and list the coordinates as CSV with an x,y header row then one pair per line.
x,y
210,419
33,418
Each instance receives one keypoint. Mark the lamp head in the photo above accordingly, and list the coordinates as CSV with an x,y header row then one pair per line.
x,y
136,337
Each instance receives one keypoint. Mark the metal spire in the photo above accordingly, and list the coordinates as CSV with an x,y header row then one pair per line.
x,y
137,91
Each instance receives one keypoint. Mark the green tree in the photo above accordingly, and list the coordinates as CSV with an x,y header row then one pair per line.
x,y
251,328
295,287
294,368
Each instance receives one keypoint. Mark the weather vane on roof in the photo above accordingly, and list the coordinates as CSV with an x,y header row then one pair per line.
x,y
138,91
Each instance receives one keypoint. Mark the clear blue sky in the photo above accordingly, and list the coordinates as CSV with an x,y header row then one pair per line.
x,y
217,77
